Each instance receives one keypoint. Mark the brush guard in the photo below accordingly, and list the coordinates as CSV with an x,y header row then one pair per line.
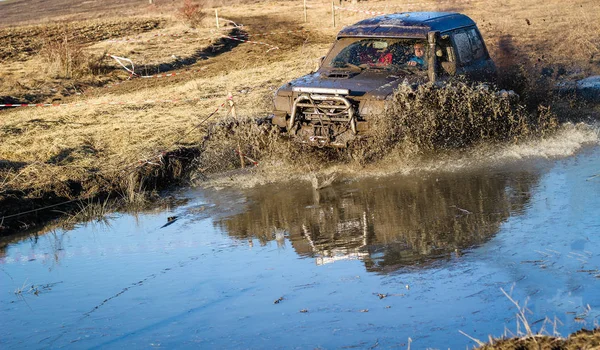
x,y
322,119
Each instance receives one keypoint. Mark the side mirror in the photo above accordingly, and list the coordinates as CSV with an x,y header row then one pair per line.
x,y
449,67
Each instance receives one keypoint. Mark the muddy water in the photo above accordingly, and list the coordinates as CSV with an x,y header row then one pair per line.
x,y
371,262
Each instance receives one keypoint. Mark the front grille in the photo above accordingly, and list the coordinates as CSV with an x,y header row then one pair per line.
x,y
321,109
326,111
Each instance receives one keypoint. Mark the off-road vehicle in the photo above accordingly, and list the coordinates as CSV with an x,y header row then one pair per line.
x,y
367,62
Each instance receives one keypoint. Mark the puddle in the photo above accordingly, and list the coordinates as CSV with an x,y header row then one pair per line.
x,y
370,262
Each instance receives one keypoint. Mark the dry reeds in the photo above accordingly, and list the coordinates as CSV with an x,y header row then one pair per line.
x,y
65,58
94,210
528,339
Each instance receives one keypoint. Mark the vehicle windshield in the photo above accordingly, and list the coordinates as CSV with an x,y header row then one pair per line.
x,y
378,53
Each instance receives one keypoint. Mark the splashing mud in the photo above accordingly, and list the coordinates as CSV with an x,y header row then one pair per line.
x,y
455,116
424,129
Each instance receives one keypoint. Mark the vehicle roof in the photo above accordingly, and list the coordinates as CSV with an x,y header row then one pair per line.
x,y
406,24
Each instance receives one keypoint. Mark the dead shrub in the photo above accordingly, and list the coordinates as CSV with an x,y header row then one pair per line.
x,y
191,12
66,58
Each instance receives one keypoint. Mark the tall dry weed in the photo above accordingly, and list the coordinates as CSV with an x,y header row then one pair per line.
x,y
65,58
191,12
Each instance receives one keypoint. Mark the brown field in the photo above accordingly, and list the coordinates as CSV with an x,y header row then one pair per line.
x,y
106,138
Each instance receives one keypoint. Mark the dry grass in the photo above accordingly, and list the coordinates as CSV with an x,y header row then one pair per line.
x,y
526,338
34,56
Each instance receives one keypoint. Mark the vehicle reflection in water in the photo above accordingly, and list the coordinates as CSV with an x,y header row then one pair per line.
x,y
387,223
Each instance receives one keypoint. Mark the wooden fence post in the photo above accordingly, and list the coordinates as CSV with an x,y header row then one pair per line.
x,y
231,104
333,13
305,17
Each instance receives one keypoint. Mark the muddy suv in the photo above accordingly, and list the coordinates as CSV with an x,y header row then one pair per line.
x,y
370,59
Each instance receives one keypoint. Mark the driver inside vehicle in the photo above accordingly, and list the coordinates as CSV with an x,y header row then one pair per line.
x,y
418,59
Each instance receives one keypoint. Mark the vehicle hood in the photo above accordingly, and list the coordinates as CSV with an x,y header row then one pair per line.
x,y
368,84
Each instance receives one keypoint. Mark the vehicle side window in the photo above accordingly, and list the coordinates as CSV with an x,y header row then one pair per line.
x,y
463,47
476,44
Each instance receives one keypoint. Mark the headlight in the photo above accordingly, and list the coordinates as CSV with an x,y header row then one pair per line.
x,y
371,107
282,103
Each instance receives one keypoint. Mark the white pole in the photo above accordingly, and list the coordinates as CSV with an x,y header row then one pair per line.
x,y
333,13
305,18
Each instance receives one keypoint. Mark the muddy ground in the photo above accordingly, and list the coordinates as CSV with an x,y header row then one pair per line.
x,y
583,339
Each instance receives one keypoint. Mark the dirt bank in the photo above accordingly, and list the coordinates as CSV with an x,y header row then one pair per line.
x,y
26,208
583,339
